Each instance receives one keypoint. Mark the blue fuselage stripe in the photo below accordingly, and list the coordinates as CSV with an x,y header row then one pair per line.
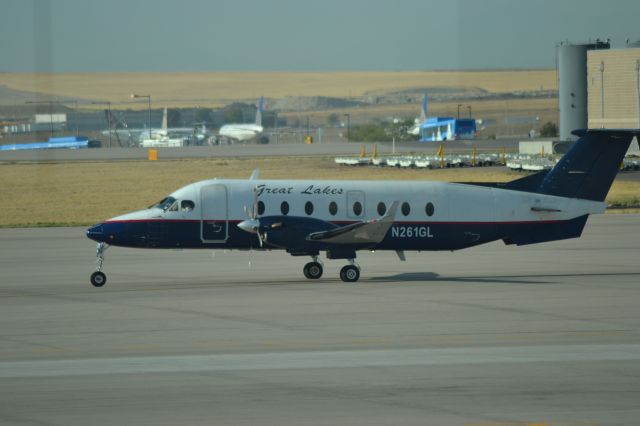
x,y
401,235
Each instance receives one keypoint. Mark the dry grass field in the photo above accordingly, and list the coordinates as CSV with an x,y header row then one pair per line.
x,y
216,88
85,193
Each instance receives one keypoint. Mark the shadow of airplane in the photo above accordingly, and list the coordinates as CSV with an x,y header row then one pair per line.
x,y
505,279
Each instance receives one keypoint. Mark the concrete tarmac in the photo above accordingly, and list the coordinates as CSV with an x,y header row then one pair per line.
x,y
494,335
252,150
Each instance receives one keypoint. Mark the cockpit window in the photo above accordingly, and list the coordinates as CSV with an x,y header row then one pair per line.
x,y
187,205
173,208
165,203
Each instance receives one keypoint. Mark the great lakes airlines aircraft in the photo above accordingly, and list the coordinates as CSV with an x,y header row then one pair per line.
x,y
307,217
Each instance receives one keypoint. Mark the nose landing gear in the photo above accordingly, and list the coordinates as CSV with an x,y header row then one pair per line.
x,y
98,278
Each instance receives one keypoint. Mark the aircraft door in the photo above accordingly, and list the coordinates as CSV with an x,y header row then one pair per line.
x,y
215,214
355,204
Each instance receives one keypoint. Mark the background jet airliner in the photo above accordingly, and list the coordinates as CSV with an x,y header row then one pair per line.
x,y
244,132
307,217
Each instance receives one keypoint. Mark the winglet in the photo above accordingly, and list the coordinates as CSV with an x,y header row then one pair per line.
x,y
255,174
391,213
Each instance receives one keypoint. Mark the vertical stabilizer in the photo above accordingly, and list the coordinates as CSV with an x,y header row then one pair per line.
x,y
165,125
589,168
259,112
423,113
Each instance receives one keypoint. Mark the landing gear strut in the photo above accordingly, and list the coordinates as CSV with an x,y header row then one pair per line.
x,y
313,270
350,273
98,278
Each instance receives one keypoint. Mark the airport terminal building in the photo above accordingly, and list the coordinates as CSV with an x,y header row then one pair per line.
x,y
613,82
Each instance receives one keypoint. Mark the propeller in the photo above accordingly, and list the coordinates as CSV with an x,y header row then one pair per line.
x,y
252,224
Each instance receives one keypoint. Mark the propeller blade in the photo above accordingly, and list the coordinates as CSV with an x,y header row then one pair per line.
x,y
255,203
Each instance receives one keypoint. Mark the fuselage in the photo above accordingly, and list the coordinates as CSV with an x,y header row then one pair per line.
x,y
241,132
430,215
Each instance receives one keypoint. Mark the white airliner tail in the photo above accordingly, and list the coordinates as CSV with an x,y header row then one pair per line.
x,y
165,121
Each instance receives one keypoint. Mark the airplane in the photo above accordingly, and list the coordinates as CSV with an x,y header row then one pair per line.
x,y
164,136
415,130
244,132
171,137
306,217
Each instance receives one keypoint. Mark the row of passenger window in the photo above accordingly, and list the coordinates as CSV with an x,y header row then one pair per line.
x,y
356,207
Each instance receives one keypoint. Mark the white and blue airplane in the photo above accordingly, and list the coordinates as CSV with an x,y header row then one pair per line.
x,y
244,132
307,217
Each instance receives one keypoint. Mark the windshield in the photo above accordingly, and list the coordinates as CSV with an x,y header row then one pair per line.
x,y
164,204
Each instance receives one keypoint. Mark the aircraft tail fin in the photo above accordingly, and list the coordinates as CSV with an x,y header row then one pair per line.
x,y
423,113
587,171
165,125
259,112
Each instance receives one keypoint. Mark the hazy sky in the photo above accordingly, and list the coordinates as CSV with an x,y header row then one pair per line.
x,y
301,35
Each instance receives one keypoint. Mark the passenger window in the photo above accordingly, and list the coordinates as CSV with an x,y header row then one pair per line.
x,y
284,208
187,205
429,209
333,208
357,208
406,208
260,208
308,208
382,208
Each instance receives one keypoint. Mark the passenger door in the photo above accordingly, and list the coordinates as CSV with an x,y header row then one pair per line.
x,y
215,214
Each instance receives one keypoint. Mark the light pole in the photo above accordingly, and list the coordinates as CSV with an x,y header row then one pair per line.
x,y
602,93
459,105
348,126
75,111
638,87
109,118
134,96
469,108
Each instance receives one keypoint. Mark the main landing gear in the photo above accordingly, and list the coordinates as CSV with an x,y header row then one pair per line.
x,y
349,273
98,278
313,270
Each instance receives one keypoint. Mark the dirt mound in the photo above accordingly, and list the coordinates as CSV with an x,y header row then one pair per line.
x,y
312,103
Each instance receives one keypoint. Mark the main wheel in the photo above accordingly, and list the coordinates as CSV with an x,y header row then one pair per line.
x,y
312,270
350,273
98,279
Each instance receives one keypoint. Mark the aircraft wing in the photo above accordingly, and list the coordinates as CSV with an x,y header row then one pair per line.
x,y
371,231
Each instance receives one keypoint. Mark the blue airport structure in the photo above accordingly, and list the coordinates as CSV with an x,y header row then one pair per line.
x,y
66,142
436,129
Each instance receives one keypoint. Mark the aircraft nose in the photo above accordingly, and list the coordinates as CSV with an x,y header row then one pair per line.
x,y
96,233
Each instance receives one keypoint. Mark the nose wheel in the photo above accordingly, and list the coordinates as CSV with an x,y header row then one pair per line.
x,y
98,278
